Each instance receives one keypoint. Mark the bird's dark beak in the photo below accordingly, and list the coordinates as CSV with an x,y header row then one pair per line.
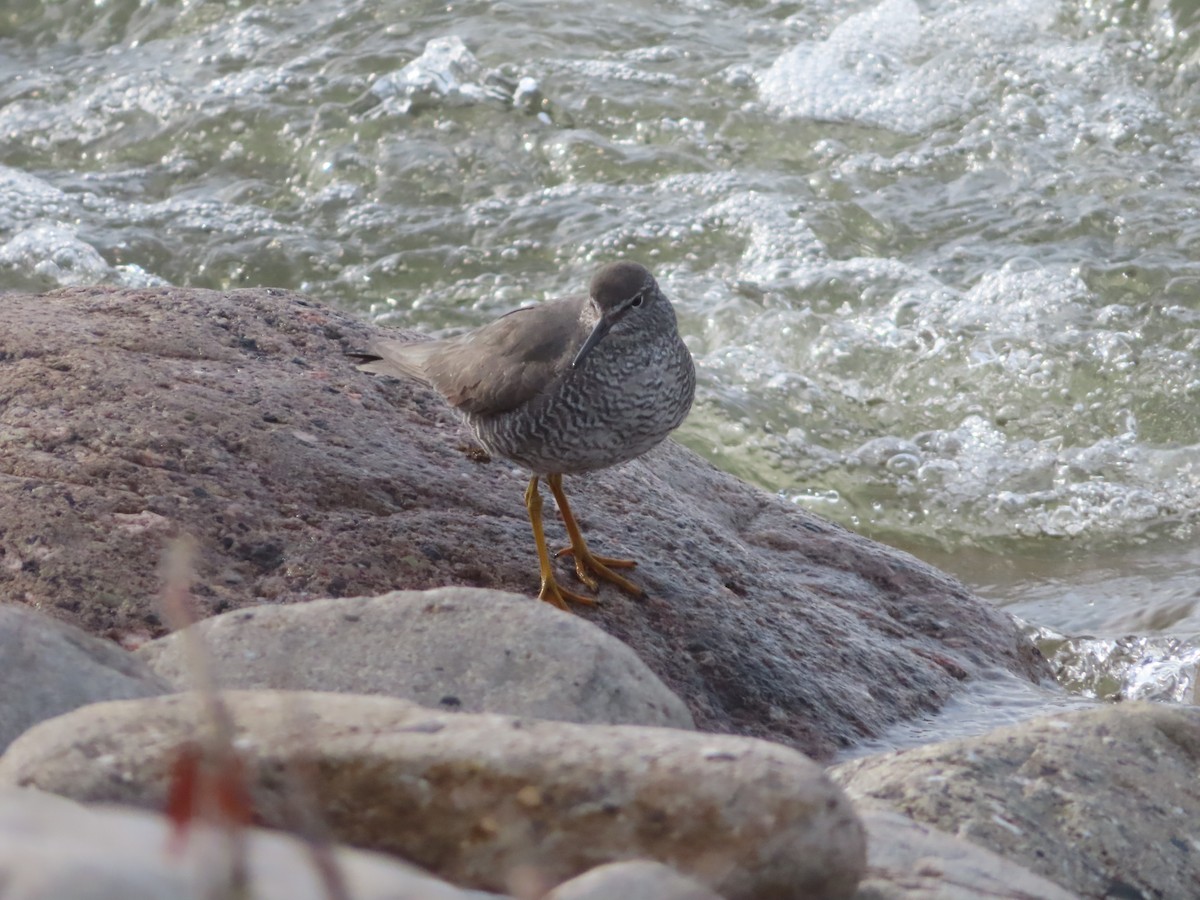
x,y
598,332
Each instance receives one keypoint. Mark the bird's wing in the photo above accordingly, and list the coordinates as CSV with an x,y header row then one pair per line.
x,y
492,369
508,362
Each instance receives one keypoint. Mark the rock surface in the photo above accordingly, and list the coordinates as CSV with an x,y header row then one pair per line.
x,y
475,798
637,879
911,861
133,415
53,849
461,649
1103,802
48,668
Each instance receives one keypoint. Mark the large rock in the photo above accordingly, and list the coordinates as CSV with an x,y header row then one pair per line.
x,y
476,798
133,415
1103,802
638,879
53,849
48,668
908,860
463,649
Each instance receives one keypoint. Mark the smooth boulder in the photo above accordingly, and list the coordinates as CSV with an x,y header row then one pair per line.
x,y
637,879
461,649
476,798
54,849
48,667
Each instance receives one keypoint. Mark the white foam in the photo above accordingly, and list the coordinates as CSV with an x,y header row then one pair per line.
x,y
893,68
56,253
445,74
865,71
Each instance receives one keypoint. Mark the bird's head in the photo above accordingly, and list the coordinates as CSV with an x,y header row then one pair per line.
x,y
620,293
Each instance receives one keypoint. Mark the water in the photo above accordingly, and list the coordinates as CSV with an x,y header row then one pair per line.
x,y
937,261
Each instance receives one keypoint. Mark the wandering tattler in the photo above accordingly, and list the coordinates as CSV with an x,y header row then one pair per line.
x,y
572,385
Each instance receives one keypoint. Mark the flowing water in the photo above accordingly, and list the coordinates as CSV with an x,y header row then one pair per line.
x,y
937,260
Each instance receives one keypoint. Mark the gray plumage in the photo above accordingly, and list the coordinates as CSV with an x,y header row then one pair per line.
x,y
572,385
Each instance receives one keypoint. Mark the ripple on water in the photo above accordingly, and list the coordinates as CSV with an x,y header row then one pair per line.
x,y
982,706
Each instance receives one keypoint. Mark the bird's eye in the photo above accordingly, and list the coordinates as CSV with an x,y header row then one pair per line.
x,y
637,301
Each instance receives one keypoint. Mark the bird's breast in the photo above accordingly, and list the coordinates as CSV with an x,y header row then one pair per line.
x,y
625,398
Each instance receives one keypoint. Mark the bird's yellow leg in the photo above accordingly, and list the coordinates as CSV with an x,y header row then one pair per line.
x,y
587,566
550,591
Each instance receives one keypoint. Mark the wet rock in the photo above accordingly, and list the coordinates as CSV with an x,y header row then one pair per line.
x,y
477,798
131,416
51,849
637,879
1103,802
907,860
48,668
460,649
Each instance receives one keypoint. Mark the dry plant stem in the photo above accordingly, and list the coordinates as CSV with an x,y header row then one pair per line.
x,y
303,811
209,781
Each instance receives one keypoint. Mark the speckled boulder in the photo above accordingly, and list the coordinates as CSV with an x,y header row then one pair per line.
x,y
909,860
475,798
48,667
1104,802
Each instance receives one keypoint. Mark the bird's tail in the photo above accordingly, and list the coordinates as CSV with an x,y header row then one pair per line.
x,y
399,359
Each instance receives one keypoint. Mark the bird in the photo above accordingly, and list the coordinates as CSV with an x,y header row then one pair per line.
x,y
564,387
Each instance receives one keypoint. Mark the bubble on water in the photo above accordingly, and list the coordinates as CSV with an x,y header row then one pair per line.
x,y
1019,298
624,70
903,463
880,453
134,276
778,239
25,199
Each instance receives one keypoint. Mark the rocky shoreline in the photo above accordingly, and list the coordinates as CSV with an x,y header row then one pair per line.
x,y
671,746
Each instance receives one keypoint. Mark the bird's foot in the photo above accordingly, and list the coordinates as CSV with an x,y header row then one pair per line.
x,y
554,593
593,569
